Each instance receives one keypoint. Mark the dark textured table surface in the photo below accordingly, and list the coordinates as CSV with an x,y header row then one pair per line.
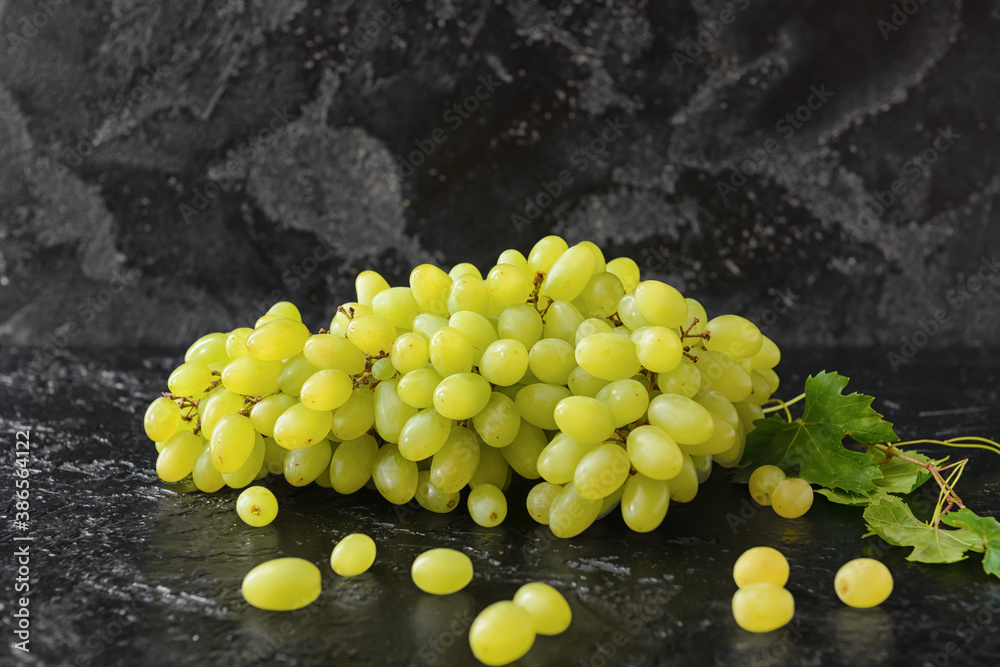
x,y
126,570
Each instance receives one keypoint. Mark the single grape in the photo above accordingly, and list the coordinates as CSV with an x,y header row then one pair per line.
x,y
353,555
661,304
304,466
430,287
424,434
409,352
644,502
453,466
761,565
569,274
763,481
207,350
250,376
523,451
687,422
326,389
545,253
276,340
391,413
300,426
395,477
431,498
469,292
551,360
476,329
232,442
540,499
282,584
550,613
628,401
627,271
763,607
450,352
257,506
792,498
190,379
659,349
372,334
504,362
601,471
654,453
351,464
161,419
570,513
329,351
367,285
462,395
584,419
250,469
501,633
499,421
416,388
487,505
608,356
177,459
507,285
355,417
441,571
285,309
863,583
520,322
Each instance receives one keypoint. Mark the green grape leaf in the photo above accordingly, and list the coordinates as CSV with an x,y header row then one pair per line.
x,y
899,476
988,530
814,442
889,518
844,497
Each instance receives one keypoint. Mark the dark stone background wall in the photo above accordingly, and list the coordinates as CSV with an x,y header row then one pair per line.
x,y
167,169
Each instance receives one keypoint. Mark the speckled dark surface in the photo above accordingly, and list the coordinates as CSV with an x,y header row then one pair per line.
x,y
129,571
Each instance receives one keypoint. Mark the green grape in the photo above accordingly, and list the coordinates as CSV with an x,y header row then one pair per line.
x,y
498,422
204,475
351,464
265,412
696,311
582,383
545,253
190,379
717,404
723,374
299,426
430,287
207,350
684,379
569,274
659,349
372,334
602,293
626,399
592,325
251,467
551,360
703,466
493,469
558,460
661,304
514,258
348,312
382,369
397,306
645,502
684,485
767,357
627,271
468,292
464,269
427,325
409,352
732,456
285,309
523,451
723,438
504,362
265,318
749,413
771,377
540,499
367,285
600,266
297,370
733,335
654,453
760,391
162,418
257,506
328,351
792,498
608,356
450,352
355,416
282,584
561,321
232,442
537,403
763,481
501,634
630,314
431,498
760,565
476,329
441,571
550,613
601,471
179,455
416,388
250,376
274,456
236,342
391,413
456,462
584,419
326,389
277,340
303,466
353,555
863,583
687,422
611,502
487,505
762,607
570,513
520,322
395,477
507,285
218,403
424,434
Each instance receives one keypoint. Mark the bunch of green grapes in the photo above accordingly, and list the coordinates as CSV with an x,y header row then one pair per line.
x,y
610,390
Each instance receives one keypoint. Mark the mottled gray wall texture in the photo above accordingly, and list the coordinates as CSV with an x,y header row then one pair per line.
x,y
828,169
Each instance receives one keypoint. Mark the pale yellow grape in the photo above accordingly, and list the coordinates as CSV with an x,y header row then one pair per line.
x,y
208,350
487,505
591,325
551,360
763,481
684,485
760,391
684,379
501,634
601,471
504,362
267,317
723,438
296,371
513,257
441,571
545,253
395,477
558,459
303,466
328,351
645,502
493,469
630,314
550,613
659,349
450,352
464,269
285,309
204,475
391,413
540,499
760,565
274,457
520,322
537,402
771,377
654,453
734,335
627,400
179,455
627,271
506,285
584,419
696,311
721,373
416,388
600,266
382,369
353,555
353,419
863,583
476,329
277,340
456,462
433,499
608,356
687,422
424,434
427,325
499,422
430,287
768,356
661,304
220,402
569,274
409,352
251,376
749,413
523,451
792,498
462,395
601,295
161,420
190,379
348,312
257,506
327,389
570,513
703,466
265,413
351,464
367,285
731,457
611,502
282,584
582,383
762,607
373,335
299,426
250,469
468,292
397,306
717,404
561,321
232,442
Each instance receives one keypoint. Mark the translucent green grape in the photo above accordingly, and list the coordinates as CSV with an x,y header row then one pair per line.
x,y
540,500
409,352
353,419
161,420
654,453
391,413
608,356
232,442
569,274
551,360
257,506
863,583
397,306
520,322
424,434
431,498
250,376
644,502
545,253
395,477
462,395
279,339
792,498
501,633
601,471
762,607
351,464
299,426
504,362
353,555
282,584
627,400
487,505
550,613
178,456
499,421
441,571
367,285
763,481
760,565
303,466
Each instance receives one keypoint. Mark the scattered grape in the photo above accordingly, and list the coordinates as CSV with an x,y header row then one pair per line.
x,y
863,583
